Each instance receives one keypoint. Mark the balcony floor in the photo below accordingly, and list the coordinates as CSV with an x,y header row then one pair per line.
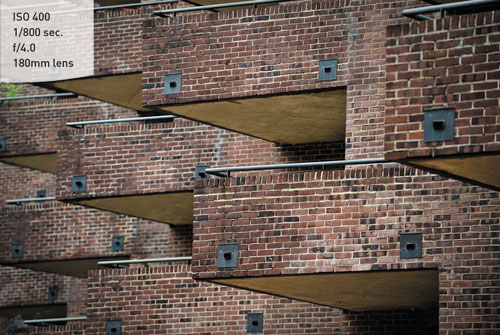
x,y
478,169
355,291
68,267
43,162
286,119
122,89
173,208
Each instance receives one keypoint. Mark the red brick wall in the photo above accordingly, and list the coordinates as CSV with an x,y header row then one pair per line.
x,y
25,89
54,230
22,287
31,126
453,62
62,231
350,220
180,240
171,302
276,50
18,183
162,157
73,328
244,52
118,39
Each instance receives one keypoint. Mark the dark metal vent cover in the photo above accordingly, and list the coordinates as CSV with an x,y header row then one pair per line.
x,y
410,245
227,255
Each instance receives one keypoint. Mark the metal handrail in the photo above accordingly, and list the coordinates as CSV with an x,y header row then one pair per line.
x,y
136,5
173,12
41,96
146,118
20,201
54,320
130,5
120,263
220,171
416,13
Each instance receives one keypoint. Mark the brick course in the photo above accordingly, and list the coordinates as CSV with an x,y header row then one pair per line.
x,y
452,63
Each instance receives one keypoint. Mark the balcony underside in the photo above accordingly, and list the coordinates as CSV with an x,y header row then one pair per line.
x,y
173,208
123,89
31,312
68,267
477,169
43,162
355,291
286,119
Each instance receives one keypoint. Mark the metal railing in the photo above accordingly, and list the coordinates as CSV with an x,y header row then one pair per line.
x,y
121,263
173,12
133,5
41,96
53,320
146,118
417,13
226,171
20,201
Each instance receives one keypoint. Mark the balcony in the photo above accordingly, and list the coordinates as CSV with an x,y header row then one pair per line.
x,y
339,238
33,294
28,136
117,60
147,170
180,305
278,73
70,240
42,234
443,98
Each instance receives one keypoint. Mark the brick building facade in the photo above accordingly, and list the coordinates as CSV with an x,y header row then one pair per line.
x,y
400,238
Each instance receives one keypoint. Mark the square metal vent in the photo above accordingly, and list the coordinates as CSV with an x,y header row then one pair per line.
x,y
173,83
114,327
227,255
118,243
18,250
439,125
41,193
53,293
79,184
200,172
410,245
255,322
327,69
